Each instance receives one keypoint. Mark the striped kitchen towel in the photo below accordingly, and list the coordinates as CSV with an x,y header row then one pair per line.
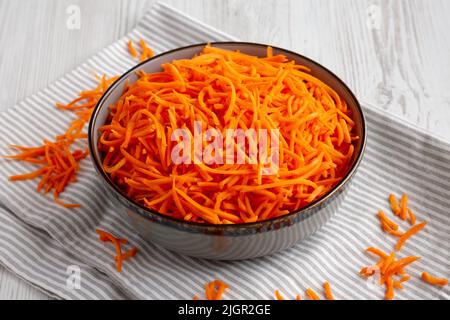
x,y
39,240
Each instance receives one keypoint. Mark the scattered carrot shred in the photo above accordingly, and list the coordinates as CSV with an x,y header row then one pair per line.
x,y
402,210
390,269
394,205
377,252
146,51
227,90
389,289
404,207
434,280
311,294
278,295
58,167
388,225
388,264
120,257
327,291
411,216
413,230
214,290
128,254
132,50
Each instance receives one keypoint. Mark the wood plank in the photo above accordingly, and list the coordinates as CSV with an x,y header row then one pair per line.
x,y
392,53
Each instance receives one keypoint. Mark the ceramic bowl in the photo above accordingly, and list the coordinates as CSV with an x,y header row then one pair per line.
x,y
227,242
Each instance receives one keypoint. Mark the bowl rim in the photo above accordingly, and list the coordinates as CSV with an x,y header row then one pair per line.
x,y
223,227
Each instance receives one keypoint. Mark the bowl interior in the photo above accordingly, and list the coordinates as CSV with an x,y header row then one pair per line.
x,y
113,94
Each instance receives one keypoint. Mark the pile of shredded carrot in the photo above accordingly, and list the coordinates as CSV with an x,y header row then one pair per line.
x,y
228,90
390,269
310,293
57,162
117,242
214,290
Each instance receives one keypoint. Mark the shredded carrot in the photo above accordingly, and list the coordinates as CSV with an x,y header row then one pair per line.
x,y
105,237
58,167
369,271
388,225
327,290
391,270
227,90
412,217
413,230
402,210
132,50
311,294
120,257
214,290
394,205
433,280
278,295
58,162
404,207
389,289
377,252
128,254
146,51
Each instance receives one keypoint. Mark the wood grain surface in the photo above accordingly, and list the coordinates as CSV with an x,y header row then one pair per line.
x,y
394,54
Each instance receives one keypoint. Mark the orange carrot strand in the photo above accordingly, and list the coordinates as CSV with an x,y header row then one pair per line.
x,y
327,291
413,230
312,295
434,280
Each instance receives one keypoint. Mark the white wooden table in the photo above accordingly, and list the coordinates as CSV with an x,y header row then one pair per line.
x,y
394,54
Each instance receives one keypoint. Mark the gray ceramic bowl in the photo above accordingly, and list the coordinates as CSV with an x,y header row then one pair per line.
x,y
227,242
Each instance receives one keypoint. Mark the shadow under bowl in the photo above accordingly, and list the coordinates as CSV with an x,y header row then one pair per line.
x,y
227,242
